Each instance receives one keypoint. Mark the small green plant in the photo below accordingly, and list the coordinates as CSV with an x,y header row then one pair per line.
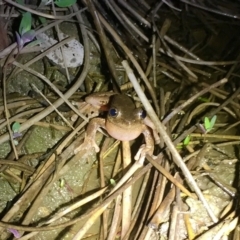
x,y
26,34
16,131
112,182
62,183
65,3
186,140
203,99
59,3
209,124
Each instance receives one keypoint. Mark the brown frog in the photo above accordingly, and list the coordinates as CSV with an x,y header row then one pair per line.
x,y
124,121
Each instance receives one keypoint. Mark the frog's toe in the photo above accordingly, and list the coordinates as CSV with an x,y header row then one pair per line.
x,y
87,145
96,147
143,150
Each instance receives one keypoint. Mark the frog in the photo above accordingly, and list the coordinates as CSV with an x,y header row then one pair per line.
x,y
124,122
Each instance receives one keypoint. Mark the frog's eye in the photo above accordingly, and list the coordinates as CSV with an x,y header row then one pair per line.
x,y
113,112
141,113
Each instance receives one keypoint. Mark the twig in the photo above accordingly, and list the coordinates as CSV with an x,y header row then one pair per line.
x,y
34,11
127,194
7,114
160,128
131,57
190,100
55,109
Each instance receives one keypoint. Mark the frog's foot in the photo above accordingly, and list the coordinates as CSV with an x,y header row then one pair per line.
x,y
156,137
143,150
87,145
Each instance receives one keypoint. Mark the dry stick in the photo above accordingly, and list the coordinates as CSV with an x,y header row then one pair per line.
x,y
153,61
149,207
61,48
115,219
36,186
184,67
159,191
233,67
7,50
170,177
104,223
104,43
59,171
125,21
173,234
7,114
59,101
193,98
156,45
229,100
228,226
18,148
46,80
48,125
34,12
46,174
160,128
162,182
18,104
161,213
55,109
71,222
41,55
165,27
134,13
220,94
127,194
142,228
226,137
198,62
189,53
133,60
67,210
138,206
158,185
90,222
38,201
198,108
179,203
124,179
214,10
17,165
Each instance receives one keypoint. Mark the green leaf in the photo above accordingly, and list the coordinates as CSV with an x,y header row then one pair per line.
x,y
20,2
15,127
112,182
186,140
207,124
213,120
43,20
202,99
62,183
65,3
26,23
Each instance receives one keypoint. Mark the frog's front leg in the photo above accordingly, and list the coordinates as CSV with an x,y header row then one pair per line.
x,y
150,124
89,140
148,147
